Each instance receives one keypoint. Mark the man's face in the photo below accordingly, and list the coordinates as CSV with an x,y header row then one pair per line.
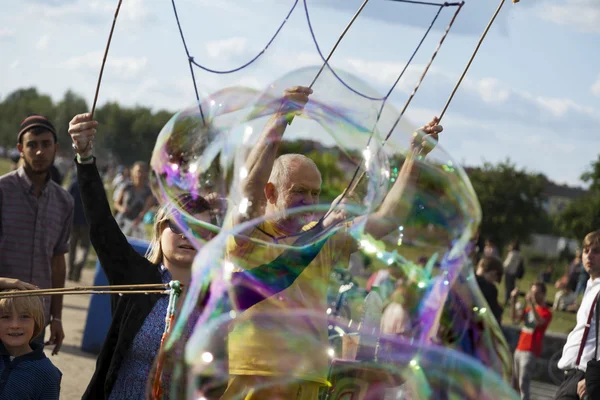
x,y
591,260
302,189
38,151
537,294
139,175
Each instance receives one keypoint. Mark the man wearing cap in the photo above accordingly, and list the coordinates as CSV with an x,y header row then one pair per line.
x,y
36,220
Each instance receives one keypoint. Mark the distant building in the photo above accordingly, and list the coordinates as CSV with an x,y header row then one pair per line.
x,y
558,197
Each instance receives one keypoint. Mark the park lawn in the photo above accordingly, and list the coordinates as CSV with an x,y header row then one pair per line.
x,y
562,322
5,166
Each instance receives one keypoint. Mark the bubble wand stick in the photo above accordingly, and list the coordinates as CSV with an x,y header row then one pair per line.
x,y
455,89
346,29
112,29
481,39
86,144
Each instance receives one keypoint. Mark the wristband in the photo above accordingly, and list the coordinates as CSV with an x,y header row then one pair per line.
x,y
84,159
56,319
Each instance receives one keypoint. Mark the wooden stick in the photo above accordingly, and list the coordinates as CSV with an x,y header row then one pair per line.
x,y
27,293
105,55
483,35
291,118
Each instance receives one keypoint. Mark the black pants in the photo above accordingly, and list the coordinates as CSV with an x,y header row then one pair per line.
x,y
509,285
568,389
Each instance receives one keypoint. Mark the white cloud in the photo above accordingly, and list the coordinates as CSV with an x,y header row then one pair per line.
x,y
224,49
43,42
6,32
125,67
596,87
582,14
88,12
14,64
488,97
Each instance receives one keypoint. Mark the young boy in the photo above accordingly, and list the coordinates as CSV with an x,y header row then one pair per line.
x,y
25,371
536,318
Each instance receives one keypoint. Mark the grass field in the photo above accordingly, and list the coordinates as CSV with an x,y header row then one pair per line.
x,y
562,322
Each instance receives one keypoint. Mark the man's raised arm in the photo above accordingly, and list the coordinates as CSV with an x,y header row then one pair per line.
x,y
398,202
262,156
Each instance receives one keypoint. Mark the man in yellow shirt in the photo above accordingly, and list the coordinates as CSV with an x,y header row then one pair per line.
x,y
277,346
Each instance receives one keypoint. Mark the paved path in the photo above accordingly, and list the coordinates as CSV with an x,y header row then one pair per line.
x,y
77,366
542,391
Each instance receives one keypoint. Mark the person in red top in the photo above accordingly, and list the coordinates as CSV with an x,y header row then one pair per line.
x,y
535,317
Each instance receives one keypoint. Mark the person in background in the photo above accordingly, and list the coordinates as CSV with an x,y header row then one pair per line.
x,y
535,318
80,235
582,277
578,350
37,216
134,201
488,274
121,180
513,269
490,249
546,275
564,298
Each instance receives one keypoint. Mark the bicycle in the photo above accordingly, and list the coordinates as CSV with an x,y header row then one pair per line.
x,y
556,375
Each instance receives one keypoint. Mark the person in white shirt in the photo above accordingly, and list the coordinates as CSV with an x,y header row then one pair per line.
x,y
572,362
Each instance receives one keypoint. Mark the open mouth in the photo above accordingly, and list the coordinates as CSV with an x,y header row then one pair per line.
x,y
15,334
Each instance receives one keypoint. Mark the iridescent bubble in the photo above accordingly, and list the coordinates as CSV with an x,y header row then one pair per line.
x,y
192,157
281,293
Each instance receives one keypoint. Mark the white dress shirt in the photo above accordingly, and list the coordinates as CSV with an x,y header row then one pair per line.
x,y
571,349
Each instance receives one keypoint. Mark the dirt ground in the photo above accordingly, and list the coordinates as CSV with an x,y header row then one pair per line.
x,y
76,366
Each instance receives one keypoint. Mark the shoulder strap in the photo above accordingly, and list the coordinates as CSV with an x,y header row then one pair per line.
x,y
597,318
587,330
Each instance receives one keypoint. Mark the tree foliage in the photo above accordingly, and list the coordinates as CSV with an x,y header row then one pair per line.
x,y
512,202
582,215
129,134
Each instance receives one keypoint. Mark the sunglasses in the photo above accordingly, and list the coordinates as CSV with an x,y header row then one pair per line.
x,y
199,232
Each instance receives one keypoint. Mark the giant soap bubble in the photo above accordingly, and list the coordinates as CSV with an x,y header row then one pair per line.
x,y
343,265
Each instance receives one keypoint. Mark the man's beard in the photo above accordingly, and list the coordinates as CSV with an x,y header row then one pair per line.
x,y
294,220
30,168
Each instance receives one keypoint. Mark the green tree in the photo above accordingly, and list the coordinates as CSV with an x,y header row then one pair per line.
x,y
582,215
511,202
18,105
592,176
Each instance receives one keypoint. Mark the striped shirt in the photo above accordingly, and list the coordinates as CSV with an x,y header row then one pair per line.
x,y
32,229
30,376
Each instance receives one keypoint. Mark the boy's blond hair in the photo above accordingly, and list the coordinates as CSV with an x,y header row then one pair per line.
x,y
31,305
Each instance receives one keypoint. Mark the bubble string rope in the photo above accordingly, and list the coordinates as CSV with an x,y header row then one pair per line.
x,y
326,60
355,182
193,62
351,187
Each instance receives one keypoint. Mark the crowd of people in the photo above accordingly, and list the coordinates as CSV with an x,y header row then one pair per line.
x,y
42,222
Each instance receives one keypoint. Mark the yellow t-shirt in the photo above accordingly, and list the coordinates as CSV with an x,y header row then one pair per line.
x,y
285,334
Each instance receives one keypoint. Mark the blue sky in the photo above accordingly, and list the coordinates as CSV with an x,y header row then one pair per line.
x,y
532,94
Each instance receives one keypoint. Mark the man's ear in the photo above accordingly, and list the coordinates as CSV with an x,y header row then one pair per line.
x,y
271,193
20,148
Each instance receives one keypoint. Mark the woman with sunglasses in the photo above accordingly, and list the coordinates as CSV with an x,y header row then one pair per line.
x,y
133,340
